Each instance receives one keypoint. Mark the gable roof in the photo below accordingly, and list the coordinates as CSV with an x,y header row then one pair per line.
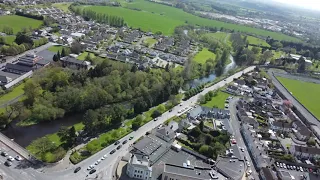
x,y
18,67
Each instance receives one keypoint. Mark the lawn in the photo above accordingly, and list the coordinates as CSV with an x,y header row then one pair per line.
x,y
150,41
55,49
17,91
18,22
257,41
202,56
62,6
218,101
83,56
307,93
221,36
9,39
157,17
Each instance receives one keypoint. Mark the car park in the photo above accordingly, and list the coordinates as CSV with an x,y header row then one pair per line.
x,y
92,171
77,169
125,141
10,158
113,151
117,142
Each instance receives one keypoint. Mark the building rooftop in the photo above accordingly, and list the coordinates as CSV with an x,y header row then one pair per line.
x,y
192,172
307,150
147,145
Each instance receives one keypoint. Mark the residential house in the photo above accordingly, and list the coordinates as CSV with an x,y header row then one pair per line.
x,y
304,152
73,63
205,112
232,89
300,130
281,126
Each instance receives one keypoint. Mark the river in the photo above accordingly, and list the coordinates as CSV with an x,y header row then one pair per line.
x,y
25,135
197,82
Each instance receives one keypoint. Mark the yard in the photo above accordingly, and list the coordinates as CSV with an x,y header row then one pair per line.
x,y
150,41
9,39
55,49
18,22
218,100
307,93
17,91
62,6
257,41
202,56
156,17
83,55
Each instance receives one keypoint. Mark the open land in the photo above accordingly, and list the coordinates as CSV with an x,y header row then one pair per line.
x,y
18,22
17,91
156,17
55,49
62,6
204,55
305,92
9,39
218,100
83,55
257,41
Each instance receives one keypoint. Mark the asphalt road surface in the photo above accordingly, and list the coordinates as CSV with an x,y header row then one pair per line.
x,y
106,165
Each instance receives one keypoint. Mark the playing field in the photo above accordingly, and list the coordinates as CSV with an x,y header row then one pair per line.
x,y
257,41
156,17
202,56
18,22
307,93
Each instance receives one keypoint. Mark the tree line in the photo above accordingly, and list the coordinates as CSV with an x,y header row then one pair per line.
x,y
99,17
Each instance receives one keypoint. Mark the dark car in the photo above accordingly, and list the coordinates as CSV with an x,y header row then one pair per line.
x,y
170,110
131,137
113,151
4,154
92,171
125,141
117,142
119,147
77,169
8,163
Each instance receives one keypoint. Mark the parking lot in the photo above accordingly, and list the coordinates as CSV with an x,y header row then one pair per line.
x,y
293,170
9,153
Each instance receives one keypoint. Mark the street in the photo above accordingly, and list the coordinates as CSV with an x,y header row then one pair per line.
x,y
106,165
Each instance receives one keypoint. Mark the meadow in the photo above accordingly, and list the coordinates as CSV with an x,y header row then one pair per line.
x,y
202,56
217,101
257,41
15,92
305,92
156,17
63,6
18,22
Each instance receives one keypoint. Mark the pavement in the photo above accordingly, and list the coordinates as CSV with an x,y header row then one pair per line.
x,y
106,165
235,123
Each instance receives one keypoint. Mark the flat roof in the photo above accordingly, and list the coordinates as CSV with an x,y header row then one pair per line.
x,y
194,173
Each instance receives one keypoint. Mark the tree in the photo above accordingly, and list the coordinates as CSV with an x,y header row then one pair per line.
x,y
293,51
58,55
202,99
2,40
201,125
76,47
63,52
23,38
55,58
137,122
311,142
301,65
43,145
255,50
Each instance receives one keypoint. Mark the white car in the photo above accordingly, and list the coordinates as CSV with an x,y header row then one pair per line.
x,y
248,164
10,158
98,162
18,158
90,167
104,157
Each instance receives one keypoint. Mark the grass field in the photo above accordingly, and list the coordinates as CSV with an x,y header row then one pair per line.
x,y
55,49
218,101
62,6
18,22
257,41
83,55
17,91
150,41
9,39
157,17
203,56
307,93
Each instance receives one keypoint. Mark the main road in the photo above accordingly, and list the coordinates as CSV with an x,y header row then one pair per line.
x,y
106,166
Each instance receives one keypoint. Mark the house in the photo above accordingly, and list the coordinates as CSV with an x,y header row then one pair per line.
x,y
205,112
4,80
267,174
165,133
304,152
280,126
232,89
72,62
300,130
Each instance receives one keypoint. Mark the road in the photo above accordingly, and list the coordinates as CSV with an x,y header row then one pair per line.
x,y
236,129
288,95
38,49
106,165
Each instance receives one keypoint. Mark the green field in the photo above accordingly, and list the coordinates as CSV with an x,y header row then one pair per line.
x,y
83,56
55,49
307,93
202,56
18,22
62,6
221,36
17,91
9,39
150,41
257,41
218,101
157,17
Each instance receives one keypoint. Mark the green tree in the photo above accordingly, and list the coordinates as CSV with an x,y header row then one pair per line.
x,y
43,145
59,55
255,50
55,58
63,53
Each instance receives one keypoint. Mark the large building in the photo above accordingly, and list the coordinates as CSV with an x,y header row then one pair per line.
x,y
73,63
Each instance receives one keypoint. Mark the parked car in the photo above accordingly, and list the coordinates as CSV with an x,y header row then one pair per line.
x,y
113,151
131,137
77,169
10,158
90,167
117,142
155,119
125,141
97,162
3,153
18,158
8,163
92,171
119,147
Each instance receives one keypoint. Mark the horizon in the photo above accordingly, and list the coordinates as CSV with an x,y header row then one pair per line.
x,y
306,4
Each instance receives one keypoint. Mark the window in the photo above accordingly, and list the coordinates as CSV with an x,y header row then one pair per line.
x,y
134,175
135,170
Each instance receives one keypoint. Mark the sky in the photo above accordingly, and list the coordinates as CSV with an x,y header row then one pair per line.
x,y
310,4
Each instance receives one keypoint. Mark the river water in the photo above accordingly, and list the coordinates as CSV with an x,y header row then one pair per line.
x,y
25,135
196,82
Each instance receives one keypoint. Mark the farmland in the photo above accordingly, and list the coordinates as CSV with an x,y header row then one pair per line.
x,y
18,22
305,92
203,56
156,17
257,41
